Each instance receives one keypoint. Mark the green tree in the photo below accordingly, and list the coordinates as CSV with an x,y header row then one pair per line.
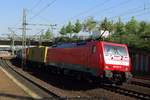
x,y
132,27
144,29
147,29
63,31
119,27
118,31
48,34
132,33
69,29
77,27
106,25
90,25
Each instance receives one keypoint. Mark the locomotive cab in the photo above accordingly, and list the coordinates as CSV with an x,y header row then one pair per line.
x,y
117,65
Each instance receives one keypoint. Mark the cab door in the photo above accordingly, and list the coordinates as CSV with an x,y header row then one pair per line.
x,y
93,56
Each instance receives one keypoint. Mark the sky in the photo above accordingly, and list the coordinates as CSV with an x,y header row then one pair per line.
x,y
60,12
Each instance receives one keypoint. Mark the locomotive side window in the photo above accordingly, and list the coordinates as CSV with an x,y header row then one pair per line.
x,y
93,49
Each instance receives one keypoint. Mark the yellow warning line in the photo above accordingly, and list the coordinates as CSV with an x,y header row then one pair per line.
x,y
26,89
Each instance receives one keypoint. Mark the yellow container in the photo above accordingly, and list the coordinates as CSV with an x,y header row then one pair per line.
x,y
38,54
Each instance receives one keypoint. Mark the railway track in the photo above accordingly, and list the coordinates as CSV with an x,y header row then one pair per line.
x,y
141,84
43,87
115,89
45,94
127,92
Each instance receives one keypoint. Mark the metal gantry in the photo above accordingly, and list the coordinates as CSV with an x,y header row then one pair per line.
x,y
24,38
12,40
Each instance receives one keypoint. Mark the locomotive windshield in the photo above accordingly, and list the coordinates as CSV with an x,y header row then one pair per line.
x,y
115,50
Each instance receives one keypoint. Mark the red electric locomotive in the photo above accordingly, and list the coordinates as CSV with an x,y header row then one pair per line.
x,y
102,60
93,60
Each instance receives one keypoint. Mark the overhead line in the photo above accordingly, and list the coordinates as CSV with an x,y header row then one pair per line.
x,y
41,17
128,13
140,14
38,13
90,9
39,1
103,10
112,7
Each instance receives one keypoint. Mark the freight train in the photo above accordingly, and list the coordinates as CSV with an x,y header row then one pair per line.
x,y
95,60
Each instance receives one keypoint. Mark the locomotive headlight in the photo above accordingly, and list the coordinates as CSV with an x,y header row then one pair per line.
x,y
126,69
107,67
